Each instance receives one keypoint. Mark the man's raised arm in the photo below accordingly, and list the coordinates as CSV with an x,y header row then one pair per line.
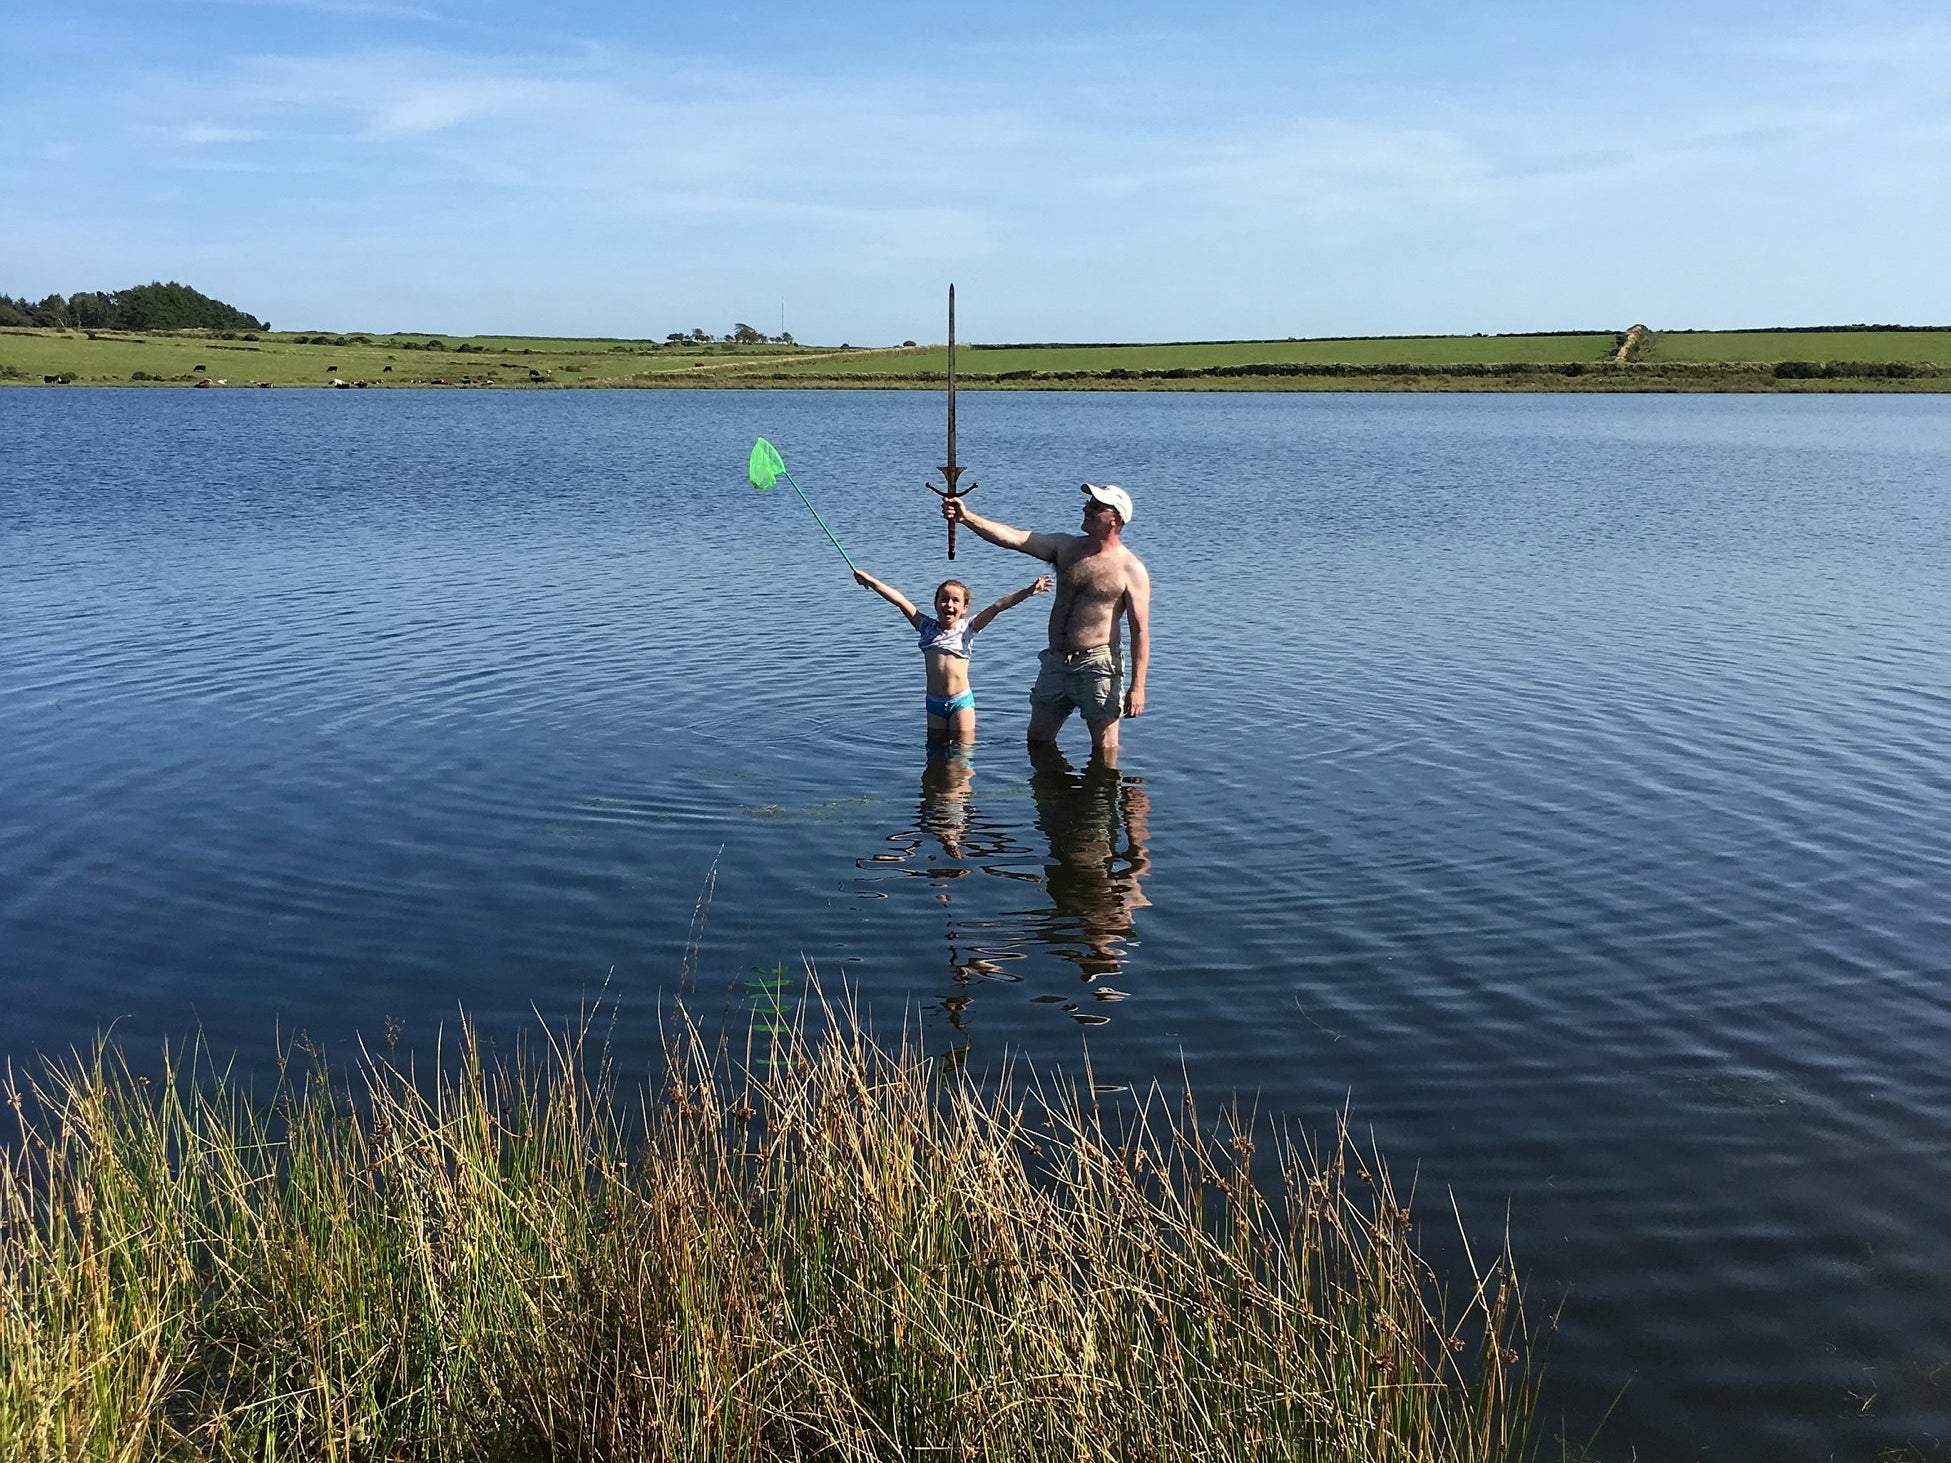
x,y
1042,546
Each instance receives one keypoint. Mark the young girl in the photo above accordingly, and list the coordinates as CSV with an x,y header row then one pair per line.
x,y
945,638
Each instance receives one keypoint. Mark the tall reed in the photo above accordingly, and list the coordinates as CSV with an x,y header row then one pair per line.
x,y
818,1247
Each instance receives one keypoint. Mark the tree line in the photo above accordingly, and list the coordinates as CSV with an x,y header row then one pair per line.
x,y
153,306
739,334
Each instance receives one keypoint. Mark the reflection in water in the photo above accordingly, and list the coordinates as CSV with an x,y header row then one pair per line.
x,y
947,784
1094,825
1097,823
947,841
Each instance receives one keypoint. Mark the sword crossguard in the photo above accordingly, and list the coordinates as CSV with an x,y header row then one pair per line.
x,y
951,492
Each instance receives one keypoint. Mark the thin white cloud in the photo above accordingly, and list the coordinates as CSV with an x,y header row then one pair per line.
x,y
694,143
438,106
1899,46
199,135
385,9
1313,165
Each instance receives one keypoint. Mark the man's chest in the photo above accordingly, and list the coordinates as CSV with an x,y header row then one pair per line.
x,y
1095,576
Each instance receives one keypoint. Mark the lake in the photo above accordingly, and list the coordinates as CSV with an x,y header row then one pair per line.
x,y
1556,782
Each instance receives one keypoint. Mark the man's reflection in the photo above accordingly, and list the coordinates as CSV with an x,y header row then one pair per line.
x,y
1097,825
1082,895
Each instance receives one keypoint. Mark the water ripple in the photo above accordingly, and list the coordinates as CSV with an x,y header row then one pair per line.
x,y
1557,783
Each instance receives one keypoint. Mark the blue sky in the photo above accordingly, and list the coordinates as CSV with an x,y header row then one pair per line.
x,y
1082,171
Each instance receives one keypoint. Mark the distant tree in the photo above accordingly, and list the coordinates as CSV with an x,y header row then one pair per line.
x,y
91,311
784,337
154,306
173,306
699,335
745,335
676,337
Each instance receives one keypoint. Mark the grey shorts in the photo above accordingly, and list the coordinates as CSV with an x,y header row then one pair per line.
x,y
1091,681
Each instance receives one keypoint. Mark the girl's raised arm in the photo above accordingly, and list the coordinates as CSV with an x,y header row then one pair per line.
x,y
1040,586
889,593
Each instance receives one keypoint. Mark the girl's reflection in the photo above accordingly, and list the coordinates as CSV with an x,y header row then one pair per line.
x,y
947,783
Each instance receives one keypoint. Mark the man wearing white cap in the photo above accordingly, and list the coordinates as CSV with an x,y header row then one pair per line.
x,y
1099,583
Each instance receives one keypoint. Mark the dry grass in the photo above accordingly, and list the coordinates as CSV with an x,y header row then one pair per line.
x,y
817,1249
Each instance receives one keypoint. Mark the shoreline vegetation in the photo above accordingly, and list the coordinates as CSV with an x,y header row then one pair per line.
x,y
1826,359
817,1247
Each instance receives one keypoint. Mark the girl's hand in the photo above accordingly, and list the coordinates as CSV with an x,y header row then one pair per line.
x,y
863,579
1042,586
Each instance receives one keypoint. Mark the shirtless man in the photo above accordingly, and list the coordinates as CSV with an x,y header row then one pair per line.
x,y
1099,581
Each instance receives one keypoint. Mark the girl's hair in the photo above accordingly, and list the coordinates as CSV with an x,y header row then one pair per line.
x,y
957,584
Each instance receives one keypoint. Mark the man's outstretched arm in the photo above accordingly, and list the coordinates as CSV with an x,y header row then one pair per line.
x,y
1042,546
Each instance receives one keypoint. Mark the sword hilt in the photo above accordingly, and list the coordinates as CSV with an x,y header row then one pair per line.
x,y
946,493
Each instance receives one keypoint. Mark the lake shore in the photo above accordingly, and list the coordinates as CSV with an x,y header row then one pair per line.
x,y
1817,360
795,1244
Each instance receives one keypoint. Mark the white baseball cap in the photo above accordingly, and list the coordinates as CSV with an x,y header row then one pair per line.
x,y
1112,496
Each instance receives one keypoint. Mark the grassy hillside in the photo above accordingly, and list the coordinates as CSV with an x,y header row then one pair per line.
x,y
1933,346
981,360
1840,359
286,359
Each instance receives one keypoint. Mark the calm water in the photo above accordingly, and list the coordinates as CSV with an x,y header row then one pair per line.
x,y
1560,782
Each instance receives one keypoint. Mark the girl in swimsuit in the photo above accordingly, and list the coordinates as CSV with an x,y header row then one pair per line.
x,y
945,644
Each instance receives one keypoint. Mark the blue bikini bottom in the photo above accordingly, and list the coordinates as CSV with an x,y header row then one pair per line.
x,y
947,706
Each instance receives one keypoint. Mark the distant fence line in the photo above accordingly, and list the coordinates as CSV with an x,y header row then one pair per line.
x,y
1671,370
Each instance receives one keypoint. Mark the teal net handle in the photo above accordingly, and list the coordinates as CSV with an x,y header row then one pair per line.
x,y
766,467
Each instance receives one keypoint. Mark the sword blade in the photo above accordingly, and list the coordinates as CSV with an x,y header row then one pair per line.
x,y
952,470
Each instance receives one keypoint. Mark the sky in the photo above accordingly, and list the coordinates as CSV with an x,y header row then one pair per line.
x,y
1081,171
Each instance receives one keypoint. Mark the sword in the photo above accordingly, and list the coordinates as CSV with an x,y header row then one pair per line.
x,y
951,470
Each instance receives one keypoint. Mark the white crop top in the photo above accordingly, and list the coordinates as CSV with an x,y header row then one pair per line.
x,y
954,642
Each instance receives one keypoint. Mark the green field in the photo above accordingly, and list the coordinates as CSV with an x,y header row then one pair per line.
x,y
284,359
1199,355
1822,360
1933,346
